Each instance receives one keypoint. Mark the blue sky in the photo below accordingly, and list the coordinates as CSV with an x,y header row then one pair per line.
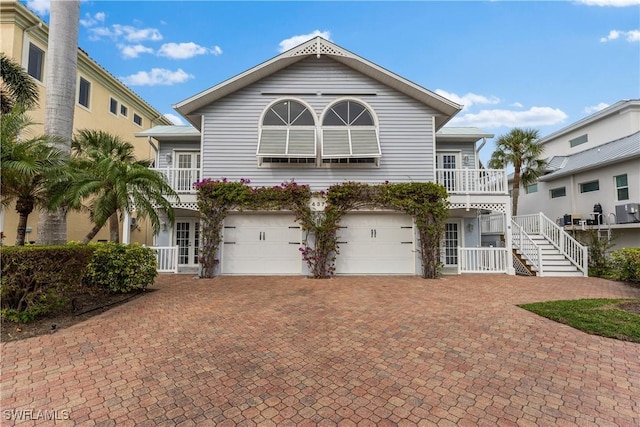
x,y
528,64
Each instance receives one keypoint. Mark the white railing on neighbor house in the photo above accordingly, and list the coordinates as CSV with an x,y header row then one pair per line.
x,y
181,180
473,181
167,257
482,260
527,247
540,224
492,223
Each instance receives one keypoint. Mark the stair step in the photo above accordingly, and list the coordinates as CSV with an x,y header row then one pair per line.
x,y
563,274
548,268
556,262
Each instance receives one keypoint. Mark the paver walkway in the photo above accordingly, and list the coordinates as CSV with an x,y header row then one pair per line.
x,y
347,351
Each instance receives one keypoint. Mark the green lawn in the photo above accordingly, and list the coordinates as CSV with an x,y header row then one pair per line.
x,y
593,316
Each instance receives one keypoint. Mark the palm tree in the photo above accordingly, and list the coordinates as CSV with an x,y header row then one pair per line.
x,y
29,168
519,148
61,67
110,181
17,88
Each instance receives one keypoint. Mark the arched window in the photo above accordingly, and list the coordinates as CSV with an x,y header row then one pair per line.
x,y
287,131
349,134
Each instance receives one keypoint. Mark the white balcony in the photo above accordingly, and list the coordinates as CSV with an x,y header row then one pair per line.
x,y
473,181
181,180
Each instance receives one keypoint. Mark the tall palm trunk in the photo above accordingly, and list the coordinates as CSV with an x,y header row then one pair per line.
x,y
114,228
516,190
24,207
61,66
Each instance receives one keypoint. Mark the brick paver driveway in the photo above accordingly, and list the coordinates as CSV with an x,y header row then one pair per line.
x,y
345,351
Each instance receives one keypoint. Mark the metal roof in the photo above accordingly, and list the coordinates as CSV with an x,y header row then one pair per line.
x,y
467,133
317,47
612,152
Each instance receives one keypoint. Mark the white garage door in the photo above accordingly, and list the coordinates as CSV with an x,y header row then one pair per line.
x,y
376,244
261,244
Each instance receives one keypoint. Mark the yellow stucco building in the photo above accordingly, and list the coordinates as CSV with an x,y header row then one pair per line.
x,y
102,102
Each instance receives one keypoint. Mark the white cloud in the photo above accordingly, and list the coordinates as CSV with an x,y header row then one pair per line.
x,y
595,108
533,117
611,3
176,120
90,21
157,77
127,32
41,7
294,41
469,99
133,50
517,105
630,36
186,50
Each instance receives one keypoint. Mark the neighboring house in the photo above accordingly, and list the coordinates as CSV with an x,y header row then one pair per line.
x,y
319,115
594,161
102,102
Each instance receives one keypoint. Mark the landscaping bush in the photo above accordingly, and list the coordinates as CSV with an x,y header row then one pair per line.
x,y
37,279
121,268
626,264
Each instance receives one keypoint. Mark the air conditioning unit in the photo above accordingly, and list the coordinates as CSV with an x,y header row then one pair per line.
x,y
628,213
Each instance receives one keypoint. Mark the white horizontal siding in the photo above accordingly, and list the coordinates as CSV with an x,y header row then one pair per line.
x,y
169,147
231,128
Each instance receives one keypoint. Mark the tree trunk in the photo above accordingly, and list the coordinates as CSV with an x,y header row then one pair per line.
x,y
114,228
516,191
24,207
61,66
91,234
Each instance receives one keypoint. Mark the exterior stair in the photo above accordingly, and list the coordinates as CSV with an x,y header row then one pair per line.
x,y
554,263
545,249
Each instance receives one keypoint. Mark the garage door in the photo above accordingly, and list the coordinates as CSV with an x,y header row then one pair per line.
x,y
261,244
376,244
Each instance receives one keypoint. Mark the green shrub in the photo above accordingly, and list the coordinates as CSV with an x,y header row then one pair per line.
x,y
121,268
37,279
626,264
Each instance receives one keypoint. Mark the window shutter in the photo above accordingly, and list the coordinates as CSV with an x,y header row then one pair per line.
x,y
273,142
364,142
335,143
302,142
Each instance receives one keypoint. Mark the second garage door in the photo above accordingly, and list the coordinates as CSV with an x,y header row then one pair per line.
x,y
376,244
261,244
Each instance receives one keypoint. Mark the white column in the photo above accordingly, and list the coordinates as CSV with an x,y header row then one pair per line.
x,y
508,242
126,228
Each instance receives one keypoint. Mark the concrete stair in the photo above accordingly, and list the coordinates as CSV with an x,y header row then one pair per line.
x,y
554,263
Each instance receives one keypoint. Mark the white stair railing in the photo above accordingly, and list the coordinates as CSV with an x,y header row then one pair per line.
x,y
567,245
540,224
167,257
482,260
527,247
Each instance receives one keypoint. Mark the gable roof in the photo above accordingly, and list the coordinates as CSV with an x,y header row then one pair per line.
x,y
317,47
172,133
622,149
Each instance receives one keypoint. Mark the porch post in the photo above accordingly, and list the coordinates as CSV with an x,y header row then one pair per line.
x,y
508,241
126,228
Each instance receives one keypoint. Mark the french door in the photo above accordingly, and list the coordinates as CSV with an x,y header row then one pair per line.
x,y
187,164
450,243
447,160
187,235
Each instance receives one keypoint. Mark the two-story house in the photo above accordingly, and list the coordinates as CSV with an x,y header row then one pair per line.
x,y
593,178
102,102
319,115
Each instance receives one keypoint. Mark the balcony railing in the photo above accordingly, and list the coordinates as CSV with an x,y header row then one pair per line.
x,y
167,257
473,181
181,180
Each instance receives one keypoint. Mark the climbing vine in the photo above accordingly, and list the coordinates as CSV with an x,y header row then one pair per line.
x,y
425,202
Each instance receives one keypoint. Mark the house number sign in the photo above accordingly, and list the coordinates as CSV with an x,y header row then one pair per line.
x,y
317,204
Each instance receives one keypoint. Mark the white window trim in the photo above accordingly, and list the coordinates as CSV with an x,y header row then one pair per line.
x,y
375,127
25,59
259,155
615,185
133,116
117,113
